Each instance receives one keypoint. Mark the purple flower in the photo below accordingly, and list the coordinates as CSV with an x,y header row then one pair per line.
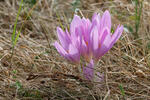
x,y
89,39
66,47
100,37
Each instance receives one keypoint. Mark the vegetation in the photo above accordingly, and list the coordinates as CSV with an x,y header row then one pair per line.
x,y
32,69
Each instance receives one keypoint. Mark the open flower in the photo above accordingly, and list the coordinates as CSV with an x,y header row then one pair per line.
x,y
67,48
89,39
101,38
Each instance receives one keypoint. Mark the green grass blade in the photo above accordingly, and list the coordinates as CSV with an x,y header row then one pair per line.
x,y
138,13
122,90
15,41
15,25
60,21
139,16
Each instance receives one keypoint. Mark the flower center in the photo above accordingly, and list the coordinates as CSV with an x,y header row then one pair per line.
x,y
99,45
86,43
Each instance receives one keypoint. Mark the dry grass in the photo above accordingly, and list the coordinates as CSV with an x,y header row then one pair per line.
x,y
37,72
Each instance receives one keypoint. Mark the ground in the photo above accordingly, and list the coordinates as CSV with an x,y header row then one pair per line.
x,y
33,69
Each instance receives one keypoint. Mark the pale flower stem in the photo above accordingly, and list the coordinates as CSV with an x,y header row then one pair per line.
x,y
80,68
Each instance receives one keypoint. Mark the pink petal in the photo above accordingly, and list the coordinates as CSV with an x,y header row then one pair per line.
x,y
109,41
60,49
96,21
96,17
76,22
105,33
63,38
104,44
68,35
77,39
86,24
94,40
106,20
116,35
74,53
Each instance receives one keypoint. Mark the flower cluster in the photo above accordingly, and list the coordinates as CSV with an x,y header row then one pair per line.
x,y
88,39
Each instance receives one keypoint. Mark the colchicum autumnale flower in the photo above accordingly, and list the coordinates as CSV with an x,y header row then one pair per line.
x,y
88,39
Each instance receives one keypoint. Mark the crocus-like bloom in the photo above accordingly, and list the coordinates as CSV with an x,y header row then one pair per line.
x,y
89,39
